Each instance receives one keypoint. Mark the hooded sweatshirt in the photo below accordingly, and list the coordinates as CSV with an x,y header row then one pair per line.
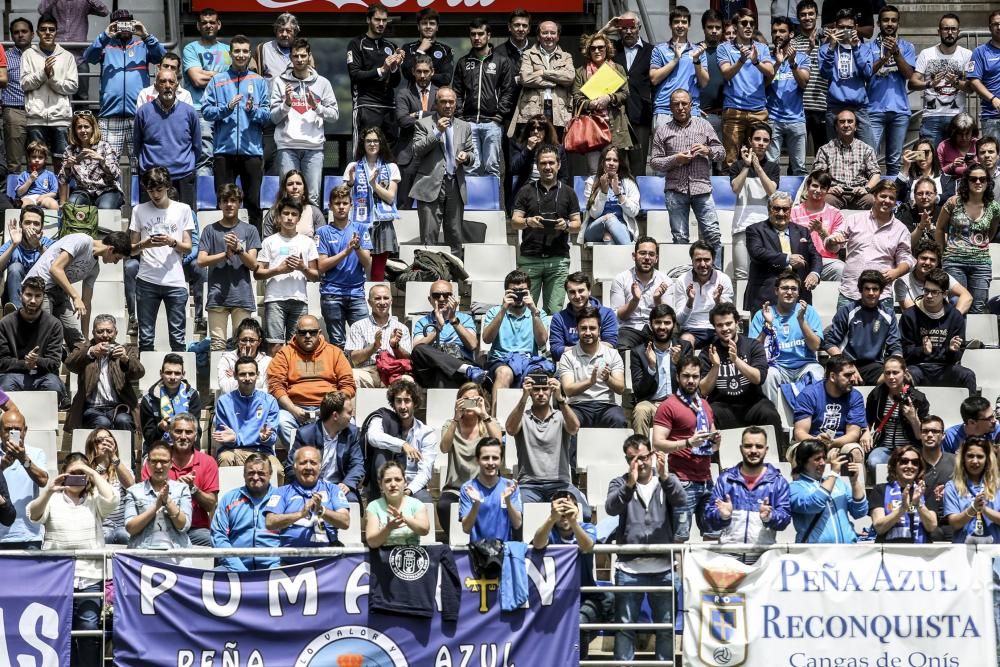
x,y
237,131
124,70
745,525
562,329
941,328
47,100
298,127
306,377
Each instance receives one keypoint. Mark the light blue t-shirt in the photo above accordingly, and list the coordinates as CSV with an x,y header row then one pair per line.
x,y
24,255
492,520
213,58
887,88
22,491
517,333
953,504
793,351
447,335
683,77
347,278
745,91
784,96
985,66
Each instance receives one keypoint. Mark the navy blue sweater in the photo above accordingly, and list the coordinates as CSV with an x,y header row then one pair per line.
x,y
863,334
170,139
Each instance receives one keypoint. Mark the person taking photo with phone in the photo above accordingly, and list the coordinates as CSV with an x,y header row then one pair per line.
x,y
823,503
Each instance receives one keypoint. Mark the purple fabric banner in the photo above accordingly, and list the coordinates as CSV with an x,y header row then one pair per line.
x,y
316,615
36,605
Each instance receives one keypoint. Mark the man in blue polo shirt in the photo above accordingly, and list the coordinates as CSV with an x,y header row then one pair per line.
x,y
893,59
239,523
747,67
677,64
847,66
489,506
344,259
784,98
978,419
983,72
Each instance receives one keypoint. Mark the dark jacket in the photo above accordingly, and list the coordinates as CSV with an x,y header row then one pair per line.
x,y
522,160
875,409
364,56
639,104
731,386
7,511
485,88
439,53
915,324
350,459
639,523
853,330
644,381
18,337
767,261
562,328
122,374
149,415
408,103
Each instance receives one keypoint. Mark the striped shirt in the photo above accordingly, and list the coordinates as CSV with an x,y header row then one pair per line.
x,y
13,95
362,334
850,164
814,95
695,177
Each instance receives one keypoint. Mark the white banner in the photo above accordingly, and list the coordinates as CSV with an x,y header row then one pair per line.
x,y
840,606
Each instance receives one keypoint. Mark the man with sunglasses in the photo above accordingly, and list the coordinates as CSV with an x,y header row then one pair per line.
x,y
49,79
978,420
747,66
939,466
445,342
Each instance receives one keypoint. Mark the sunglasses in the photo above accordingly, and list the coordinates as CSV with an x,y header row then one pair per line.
x,y
307,332
747,24
977,179
933,431
83,112
46,29
598,47
909,460
440,295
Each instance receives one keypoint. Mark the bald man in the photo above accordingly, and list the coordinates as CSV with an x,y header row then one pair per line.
x,y
445,342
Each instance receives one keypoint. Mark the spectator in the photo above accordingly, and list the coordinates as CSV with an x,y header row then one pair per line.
x,y
344,258
734,368
785,94
933,334
968,221
171,61
978,420
292,187
74,24
73,522
894,410
710,98
754,179
196,469
546,78
939,468
246,421
893,60
490,506
373,64
301,102
484,88
6,405
697,291
161,232
303,372
285,262
684,428
792,333
379,333
91,165
158,509
395,517
971,503
823,504
634,56
342,462
124,51
37,186
612,201
31,345
418,442
984,77
654,366
610,107
445,342
750,502
228,248
646,507
677,65
413,102
563,327
373,179
248,338
48,79
440,53
546,212
807,40
168,136
821,219
544,440
22,32
274,57
240,523
637,291
591,373
459,437
874,241
957,152
203,59
774,247
987,153
171,396
515,347
851,163
910,288
103,456
861,10
940,73
847,64
832,412
25,244
538,132
866,330
921,205
24,473
236,101
684,150
518,41
105,396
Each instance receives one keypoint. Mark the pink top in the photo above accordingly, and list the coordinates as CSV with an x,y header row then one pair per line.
x,y
832,219
947,152
872,246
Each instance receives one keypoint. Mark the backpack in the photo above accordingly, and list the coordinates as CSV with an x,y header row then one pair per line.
x,y
78,219
430,265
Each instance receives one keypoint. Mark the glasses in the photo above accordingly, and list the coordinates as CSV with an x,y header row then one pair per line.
x,y
642,458
933,292
597,47
250,340
307,332
440,295
45,29
977,179
781,209
991,418
910,460
83,112
932,431
372,142
788,288
158,462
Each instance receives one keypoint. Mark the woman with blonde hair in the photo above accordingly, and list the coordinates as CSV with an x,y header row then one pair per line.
x,y
101,450
91,164
971,505
598,51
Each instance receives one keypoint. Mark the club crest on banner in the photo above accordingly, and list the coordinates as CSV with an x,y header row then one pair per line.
x,y
723,636
352,646
409,563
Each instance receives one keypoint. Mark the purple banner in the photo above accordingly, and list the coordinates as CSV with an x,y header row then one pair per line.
x,y
316,615
36,604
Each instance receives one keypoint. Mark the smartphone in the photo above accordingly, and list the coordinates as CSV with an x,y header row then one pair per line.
x,y
844,470
970,158
75,480
626,23
539,378
549,222
14,435
469,404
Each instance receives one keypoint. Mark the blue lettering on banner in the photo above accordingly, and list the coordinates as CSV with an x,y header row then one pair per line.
x,y
883,627
36,611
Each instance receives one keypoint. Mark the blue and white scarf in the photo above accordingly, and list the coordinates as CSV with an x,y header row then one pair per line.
x,y
366,206
701,424
909,528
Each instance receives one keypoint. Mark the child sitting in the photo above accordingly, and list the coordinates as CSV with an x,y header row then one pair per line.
x,y
38,185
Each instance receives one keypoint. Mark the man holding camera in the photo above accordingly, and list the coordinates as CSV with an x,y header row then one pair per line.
x,y
847,65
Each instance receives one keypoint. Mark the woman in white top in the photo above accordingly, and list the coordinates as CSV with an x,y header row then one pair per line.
x,y
249,343
753,179
373,178
612,202
101,450
72,507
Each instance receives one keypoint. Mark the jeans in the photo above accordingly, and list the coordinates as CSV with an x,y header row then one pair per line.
x,y
12,288
148,297
877,457
250,170
599,414
542,492
679,207
892,125
196,277
55,138
974,277
778,375
864,132
486,137
280,318
611,224
790,135
338,309
204,167
115,417
741,256
106,201
115,535
58,304
698,494
548,278
628,605
87,616
310,163
833,269
933,128
34,382
288,424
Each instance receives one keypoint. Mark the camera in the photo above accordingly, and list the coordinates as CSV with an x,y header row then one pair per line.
x,y
905,395
519,295
124,26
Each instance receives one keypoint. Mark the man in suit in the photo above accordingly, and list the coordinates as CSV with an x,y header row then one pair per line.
x,y
443,146
414,101
775,245
634,55
346,467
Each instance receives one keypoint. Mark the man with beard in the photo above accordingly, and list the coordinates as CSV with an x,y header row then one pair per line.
x,y
654,366
31,345
591,374
940,73
699,290
419,442
238,522
636,291
889,112
910,288
373,63
833,412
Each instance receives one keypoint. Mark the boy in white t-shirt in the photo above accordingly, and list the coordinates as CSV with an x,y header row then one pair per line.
x,y
286,261
161,234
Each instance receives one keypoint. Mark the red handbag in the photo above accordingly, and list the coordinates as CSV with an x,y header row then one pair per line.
x,y
586,133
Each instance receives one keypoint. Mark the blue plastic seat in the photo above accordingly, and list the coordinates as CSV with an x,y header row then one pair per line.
x,y
484,193
329,183
135,190
791,184
12,186
206,194
722,193
269,191
578,185
651,195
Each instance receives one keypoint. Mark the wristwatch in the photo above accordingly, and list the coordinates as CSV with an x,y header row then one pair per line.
x,y
455,322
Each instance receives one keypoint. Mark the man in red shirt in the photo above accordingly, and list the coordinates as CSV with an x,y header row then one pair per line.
x,y
196,469
684,427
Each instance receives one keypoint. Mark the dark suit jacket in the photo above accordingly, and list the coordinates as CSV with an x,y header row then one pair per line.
x,y
639,104
408,102
644,383
350,459
767,261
